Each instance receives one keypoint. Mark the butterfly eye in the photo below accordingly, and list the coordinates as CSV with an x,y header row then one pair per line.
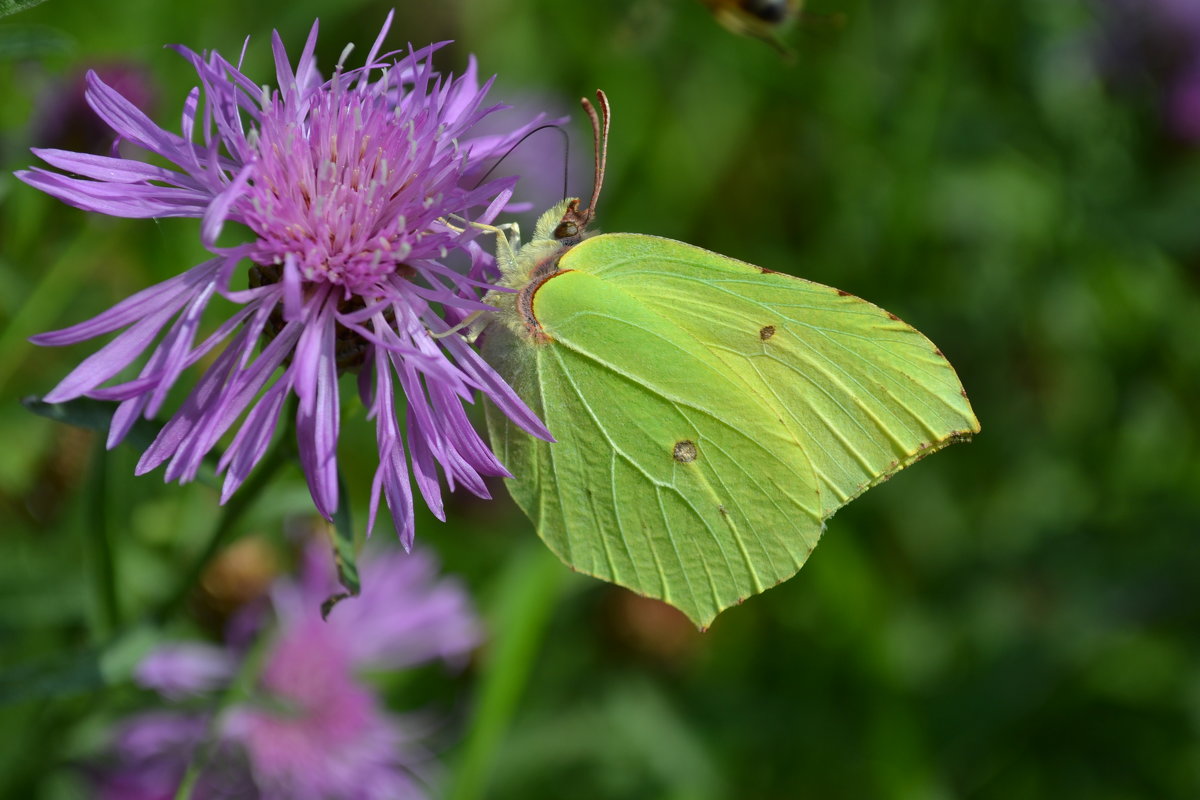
x,y
566,230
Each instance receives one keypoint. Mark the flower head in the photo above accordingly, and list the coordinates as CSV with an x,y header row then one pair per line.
x,y
350,188
311,729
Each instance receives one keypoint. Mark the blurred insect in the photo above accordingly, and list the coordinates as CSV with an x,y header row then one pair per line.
x,y
760,19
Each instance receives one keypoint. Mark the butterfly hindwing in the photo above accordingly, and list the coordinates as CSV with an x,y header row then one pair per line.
x,y
663,478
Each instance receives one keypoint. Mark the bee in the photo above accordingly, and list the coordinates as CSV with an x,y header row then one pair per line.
x,y
760,19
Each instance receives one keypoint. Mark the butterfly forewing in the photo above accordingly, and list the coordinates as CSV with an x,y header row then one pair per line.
x,y
863,392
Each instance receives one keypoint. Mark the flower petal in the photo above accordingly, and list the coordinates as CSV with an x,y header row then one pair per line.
x,y
135,201
317,418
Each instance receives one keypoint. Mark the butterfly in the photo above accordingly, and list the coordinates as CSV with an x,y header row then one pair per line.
x,y
709,415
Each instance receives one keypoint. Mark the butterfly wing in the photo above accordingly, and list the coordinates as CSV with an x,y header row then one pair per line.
x,y
867,393
698,452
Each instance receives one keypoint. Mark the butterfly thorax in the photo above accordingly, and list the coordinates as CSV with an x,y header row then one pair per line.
x,y
533,264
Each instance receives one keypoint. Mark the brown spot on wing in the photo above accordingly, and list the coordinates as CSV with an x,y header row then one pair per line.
x,y
685,451
766,332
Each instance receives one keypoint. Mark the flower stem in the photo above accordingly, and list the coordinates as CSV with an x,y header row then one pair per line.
x,y
237,506
528,592
102,550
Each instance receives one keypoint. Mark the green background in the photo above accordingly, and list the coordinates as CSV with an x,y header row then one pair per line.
x,y
1014,617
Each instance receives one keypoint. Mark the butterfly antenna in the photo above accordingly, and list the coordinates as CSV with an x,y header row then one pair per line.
x,y
519,142
600,124
574,221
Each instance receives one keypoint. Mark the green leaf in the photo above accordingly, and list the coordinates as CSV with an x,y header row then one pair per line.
x,y
342,536
96,415
13,6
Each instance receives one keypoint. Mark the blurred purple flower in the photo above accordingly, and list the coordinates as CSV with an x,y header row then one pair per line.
x,y
151,754
1183,103
350,187
311,729
64,119
1159,39
185,669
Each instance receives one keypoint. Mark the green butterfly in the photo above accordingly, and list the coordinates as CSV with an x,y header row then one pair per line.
x,y
710,415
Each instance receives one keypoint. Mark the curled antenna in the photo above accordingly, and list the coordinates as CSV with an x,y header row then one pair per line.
x,y
600,137
574,221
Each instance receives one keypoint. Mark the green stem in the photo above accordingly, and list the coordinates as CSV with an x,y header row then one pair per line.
x,y
237,506
102,549
528,593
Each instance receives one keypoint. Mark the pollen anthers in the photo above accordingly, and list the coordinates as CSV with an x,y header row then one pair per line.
x,y
330,191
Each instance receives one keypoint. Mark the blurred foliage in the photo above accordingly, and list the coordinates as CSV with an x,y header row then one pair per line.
x,y
1016,617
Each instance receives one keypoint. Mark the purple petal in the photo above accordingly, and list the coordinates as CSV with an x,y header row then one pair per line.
x,y
186,427
252,439
317,417
173,292
495,388
235,387
179,670
374,51
218,210
112,170
306,66
423,466
392,473
285,79
136,201
110,359
130,123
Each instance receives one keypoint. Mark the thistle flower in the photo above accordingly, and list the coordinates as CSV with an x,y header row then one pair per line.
x,y
350,187
311,729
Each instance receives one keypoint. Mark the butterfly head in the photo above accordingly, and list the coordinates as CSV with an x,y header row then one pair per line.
x,y
566,224
557,231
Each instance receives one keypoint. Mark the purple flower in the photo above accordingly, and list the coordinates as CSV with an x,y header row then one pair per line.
x,y
181,670
353,189
311,730
1159,40
1183,102
151,753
